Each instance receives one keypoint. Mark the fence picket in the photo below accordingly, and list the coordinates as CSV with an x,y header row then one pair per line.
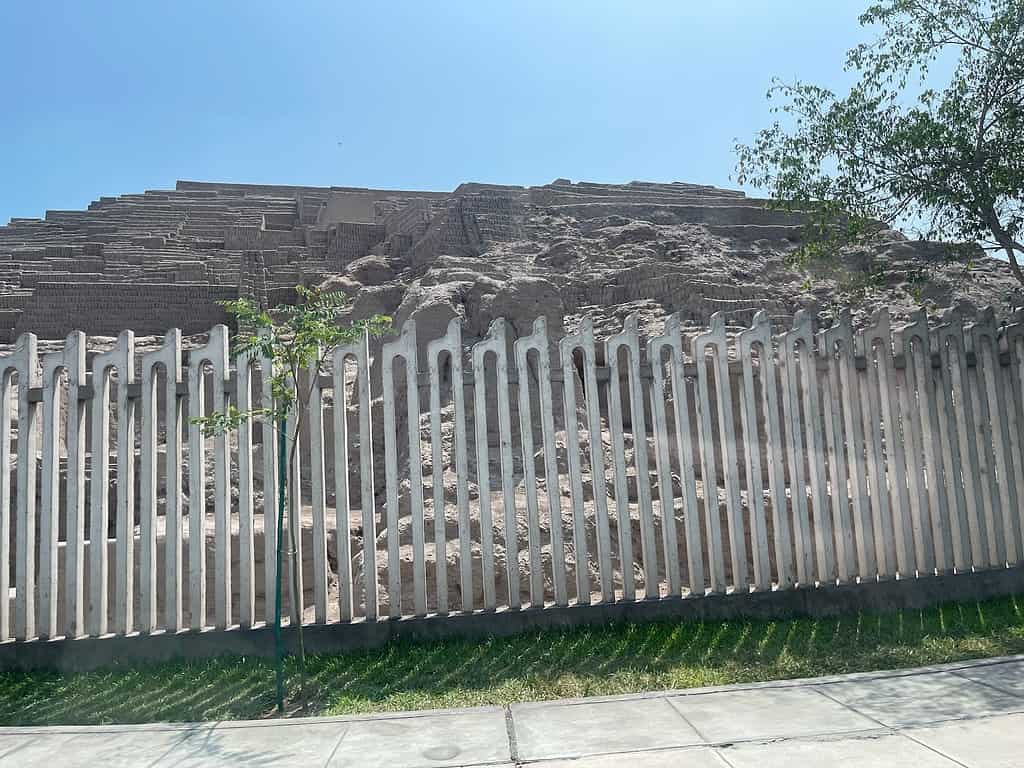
x,y
69,362
992,412
214,354
495,342
538,341
7,373
823,536
788,348
218,345
318,489
759,335
715,337
1013,377
360,351
879,491
566,347
840,339
246,501
890,447
623,519
25,361
951,342
955,511
666,496
120,359
403,347
774,451
451,344
584,341
168,355
293,523
342,504
269,434
522,347
912,343
838,469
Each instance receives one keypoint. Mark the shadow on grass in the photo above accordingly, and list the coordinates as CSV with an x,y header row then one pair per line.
x,y
614,659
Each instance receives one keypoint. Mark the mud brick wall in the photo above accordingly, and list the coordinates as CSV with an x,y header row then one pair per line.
x,y
348,241
410,219
109,308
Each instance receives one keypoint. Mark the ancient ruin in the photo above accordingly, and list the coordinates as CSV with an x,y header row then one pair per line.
x,y
163,258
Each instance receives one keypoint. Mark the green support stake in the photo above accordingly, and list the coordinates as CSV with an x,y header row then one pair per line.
x,y
282,481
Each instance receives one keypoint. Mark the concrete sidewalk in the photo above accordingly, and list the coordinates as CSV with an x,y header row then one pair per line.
x,y
966,714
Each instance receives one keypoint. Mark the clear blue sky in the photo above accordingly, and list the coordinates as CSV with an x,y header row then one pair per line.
x,y
100,98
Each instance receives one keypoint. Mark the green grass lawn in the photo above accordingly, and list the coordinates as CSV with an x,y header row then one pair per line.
x,y
615,659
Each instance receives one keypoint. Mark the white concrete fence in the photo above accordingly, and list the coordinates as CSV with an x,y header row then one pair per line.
x,y
799,459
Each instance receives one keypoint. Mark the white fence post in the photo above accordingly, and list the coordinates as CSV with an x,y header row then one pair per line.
x,y
246,501
169,357
839,342
215,354
342,506
911,341
881,509
293,520
122,360
954,353
74,551
451,344
317,479
360,352
838,468
666,496
404,347
7,372
823,533
716,338
878,336
495,342
758,335
1013,378
623,519
994,448
538,342
24,362
270,490
584,341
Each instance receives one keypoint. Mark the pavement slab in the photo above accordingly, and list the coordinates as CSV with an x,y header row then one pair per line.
x,y
256,744
969,714
995,742
1007,677
764,713
877,750
107,747
689,757
908,700
579,729
474,737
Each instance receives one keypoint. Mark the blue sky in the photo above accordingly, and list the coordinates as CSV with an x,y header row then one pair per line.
x,y
115,97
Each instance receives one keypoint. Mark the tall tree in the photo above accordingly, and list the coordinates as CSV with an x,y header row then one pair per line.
x,y
947,160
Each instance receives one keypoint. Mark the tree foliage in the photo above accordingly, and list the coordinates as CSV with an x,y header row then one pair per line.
x,y
298,339
946,161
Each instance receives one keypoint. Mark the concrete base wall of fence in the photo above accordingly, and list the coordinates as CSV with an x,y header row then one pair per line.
x,y
85,654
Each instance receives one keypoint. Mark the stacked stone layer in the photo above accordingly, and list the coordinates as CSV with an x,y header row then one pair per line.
x,y
166,257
